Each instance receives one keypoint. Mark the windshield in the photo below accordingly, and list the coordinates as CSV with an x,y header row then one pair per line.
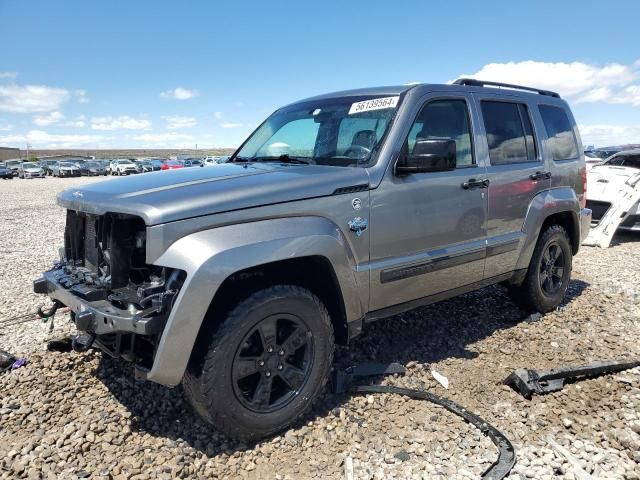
x,y
125,162
173,163
66,164
91,165
631,161
30,165
338,132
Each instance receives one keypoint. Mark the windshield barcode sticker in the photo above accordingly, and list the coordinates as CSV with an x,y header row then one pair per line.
x,y
374,104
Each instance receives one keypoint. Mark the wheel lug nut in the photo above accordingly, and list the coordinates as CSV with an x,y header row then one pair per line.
x,y
268,374
279,367
270,349
281,352
261,363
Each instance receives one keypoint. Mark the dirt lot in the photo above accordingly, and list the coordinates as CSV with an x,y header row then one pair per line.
x,y
83,415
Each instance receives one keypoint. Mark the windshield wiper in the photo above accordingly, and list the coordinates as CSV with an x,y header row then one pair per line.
x,y
282,159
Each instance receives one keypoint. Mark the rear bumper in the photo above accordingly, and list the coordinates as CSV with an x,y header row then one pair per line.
x,y
585,223
101,316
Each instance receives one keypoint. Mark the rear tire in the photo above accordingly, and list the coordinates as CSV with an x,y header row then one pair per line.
x,y
548,275
265,365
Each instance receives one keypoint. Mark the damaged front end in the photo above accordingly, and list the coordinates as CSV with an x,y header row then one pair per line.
x,y
118,300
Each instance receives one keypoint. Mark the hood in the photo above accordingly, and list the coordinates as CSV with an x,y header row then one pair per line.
x,y
167,196
604,181
32,169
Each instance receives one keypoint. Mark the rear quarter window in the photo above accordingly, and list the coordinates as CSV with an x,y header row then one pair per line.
x,y
561,140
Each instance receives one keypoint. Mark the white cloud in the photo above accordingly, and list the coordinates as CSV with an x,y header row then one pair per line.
x,y
119,123
31,98
219,115
42,139
9,75
5,126
606,135
48,119
81,96
77,123
179,93
231,125
585,82
174,123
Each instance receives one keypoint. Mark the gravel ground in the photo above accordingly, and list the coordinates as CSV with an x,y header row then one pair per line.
x,y
68,415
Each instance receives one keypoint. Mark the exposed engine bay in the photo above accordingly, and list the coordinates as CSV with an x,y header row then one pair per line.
x,y
118,299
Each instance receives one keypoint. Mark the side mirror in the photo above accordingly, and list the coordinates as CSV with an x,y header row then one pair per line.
x,y
437,155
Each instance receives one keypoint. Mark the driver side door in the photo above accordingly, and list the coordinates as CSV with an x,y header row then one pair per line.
x,y
428,230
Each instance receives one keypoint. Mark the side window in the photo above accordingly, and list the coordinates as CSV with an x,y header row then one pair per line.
x,y
509,132
559,132
445,119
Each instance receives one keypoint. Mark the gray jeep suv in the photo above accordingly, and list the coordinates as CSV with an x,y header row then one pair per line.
x,y
337,211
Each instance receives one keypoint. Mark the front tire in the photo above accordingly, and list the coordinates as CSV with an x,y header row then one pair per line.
x,y
547,279
265,365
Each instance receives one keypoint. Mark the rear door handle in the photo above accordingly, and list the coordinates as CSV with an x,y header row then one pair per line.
x,y
473,183
540,176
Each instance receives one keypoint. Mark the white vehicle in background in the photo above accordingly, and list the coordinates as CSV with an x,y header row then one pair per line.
x,y
591,159
30,170
613,195
215,159
122,166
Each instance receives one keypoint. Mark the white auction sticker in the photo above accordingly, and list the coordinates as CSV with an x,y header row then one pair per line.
x,y
374,104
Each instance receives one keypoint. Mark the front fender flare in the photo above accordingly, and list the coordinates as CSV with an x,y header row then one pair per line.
x,y
211,256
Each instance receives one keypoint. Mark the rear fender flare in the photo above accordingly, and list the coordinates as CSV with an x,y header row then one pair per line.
x,y
543,205
211,256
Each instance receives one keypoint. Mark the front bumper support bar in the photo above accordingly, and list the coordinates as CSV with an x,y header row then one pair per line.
x,y
528,382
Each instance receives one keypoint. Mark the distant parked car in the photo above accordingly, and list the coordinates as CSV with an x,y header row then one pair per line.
x,y
13,165
156,163
30,170
46,166
5,173
591,159
123,167
91,169
193,162
171,165
65,169
144,166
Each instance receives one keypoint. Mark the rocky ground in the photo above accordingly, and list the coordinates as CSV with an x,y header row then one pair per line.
x,y
68,415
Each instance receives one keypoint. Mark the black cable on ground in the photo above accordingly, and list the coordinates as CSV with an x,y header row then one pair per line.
x,y
506,452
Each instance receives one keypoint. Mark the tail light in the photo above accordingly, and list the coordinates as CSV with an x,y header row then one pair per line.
x,y
583,172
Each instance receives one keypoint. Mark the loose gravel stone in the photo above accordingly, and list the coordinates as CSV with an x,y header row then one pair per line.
x,y
69,415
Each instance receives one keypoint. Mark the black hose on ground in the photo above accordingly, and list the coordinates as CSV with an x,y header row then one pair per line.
x,y
506,452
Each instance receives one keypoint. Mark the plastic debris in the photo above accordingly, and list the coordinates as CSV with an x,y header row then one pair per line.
x,y
21,362
441,379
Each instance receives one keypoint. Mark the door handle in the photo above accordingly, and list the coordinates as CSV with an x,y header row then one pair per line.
x,y
473,183
540,176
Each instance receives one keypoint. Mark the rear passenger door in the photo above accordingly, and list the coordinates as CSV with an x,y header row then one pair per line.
x,y
516,170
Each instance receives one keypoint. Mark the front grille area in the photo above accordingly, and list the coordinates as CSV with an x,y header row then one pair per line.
x,y
598,209
111,246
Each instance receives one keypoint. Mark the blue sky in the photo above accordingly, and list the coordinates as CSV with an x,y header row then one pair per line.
x,y
173,74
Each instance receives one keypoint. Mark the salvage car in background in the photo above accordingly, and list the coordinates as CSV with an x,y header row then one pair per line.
x,y
5,173
171,165
46,166
123,166
192,162
13,165
92,169
30,170
613,195
65,169
591,159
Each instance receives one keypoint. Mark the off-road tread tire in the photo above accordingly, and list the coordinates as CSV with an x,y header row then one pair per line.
x,y
198,383
528,295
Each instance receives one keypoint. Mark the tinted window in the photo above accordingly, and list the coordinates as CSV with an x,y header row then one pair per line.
x,y
561,139
632,161
445,119
509,133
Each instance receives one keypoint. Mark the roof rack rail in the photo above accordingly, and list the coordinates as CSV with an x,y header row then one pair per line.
x,y
472,82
